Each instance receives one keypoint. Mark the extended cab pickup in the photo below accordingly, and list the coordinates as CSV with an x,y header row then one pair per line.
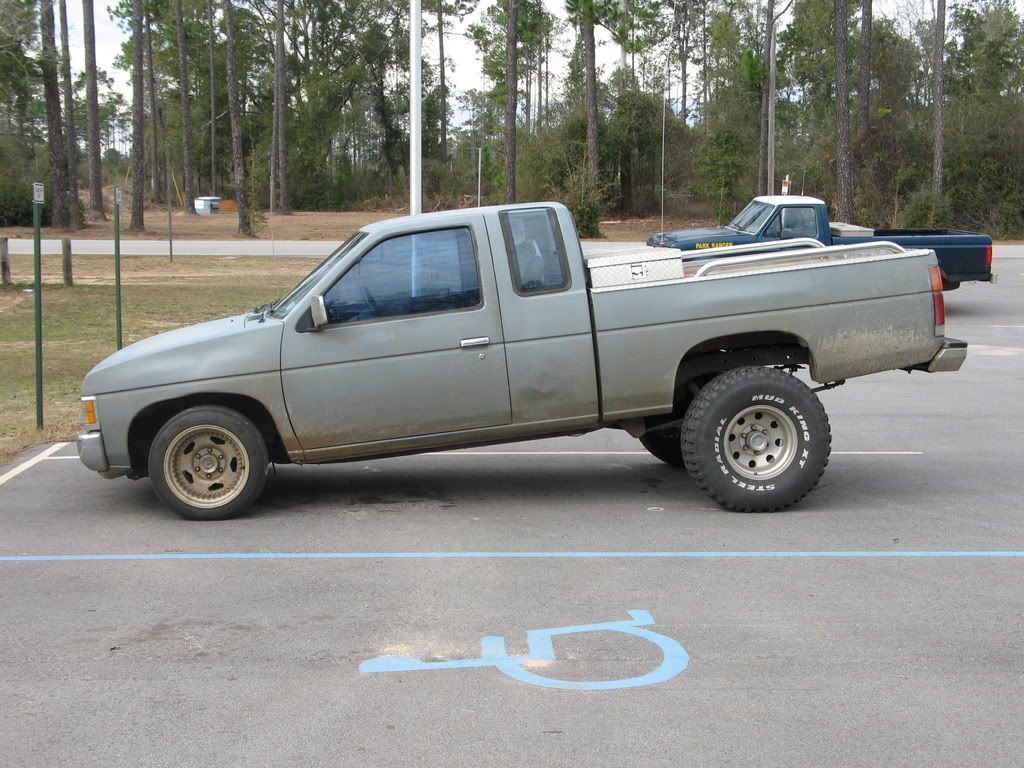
x,y
480,326
962,255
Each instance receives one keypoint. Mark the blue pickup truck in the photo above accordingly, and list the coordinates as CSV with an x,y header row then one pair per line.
x,y
962,255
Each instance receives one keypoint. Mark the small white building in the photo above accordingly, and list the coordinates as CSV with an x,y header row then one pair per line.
x,y
207,206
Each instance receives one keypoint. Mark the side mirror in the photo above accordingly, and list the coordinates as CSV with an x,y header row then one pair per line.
x,y
318,310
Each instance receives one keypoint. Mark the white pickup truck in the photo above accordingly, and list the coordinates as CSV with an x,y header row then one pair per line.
x,y
487,325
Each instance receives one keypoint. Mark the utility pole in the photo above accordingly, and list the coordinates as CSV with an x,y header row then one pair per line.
x,y
771,110
213,108
415,95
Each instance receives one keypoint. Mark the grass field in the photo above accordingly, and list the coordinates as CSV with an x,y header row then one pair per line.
x,y
79,327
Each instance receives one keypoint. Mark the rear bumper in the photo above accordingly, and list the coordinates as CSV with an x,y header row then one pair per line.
x,y
968,277
949,358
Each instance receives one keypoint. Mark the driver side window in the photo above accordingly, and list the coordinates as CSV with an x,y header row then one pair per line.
x,y
774,229
408,275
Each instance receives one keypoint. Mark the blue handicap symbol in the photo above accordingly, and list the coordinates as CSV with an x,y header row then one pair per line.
x,y
539,641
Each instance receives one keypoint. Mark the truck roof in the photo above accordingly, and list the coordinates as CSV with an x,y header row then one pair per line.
x,y
780,199
436,218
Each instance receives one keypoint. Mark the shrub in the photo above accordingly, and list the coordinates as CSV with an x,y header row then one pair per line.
x,y
16,205
925,211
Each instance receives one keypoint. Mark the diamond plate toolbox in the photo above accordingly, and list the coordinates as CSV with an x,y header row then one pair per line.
x,y
647,265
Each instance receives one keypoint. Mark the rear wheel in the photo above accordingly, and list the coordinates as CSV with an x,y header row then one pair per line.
x,y
208,463
756,439
665,444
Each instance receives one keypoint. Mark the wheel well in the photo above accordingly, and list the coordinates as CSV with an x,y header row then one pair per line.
x,y
709,358
148,421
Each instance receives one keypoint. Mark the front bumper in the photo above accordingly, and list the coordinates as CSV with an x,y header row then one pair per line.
x,y
93,454
91,451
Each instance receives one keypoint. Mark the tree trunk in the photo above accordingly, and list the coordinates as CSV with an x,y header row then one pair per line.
x,y
54,124
590,93
156,177
840,33
528,94
624,8
92,102
187,176
281,113
235,115
864,103
937,96
511,94
444,87
706,84
74,214
138,120
684,60
272,197
541,53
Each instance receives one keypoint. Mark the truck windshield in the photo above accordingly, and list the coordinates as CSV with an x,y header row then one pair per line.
x,y
751,218
283,306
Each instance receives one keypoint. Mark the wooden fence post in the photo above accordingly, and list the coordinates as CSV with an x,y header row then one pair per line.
x,y
65,246
5,262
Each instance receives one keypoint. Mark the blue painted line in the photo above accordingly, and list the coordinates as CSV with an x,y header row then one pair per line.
x,y
554,555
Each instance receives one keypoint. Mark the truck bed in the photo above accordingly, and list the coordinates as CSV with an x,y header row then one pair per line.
x,y
856,309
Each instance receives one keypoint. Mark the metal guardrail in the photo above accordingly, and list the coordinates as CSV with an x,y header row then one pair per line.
x,y
819,253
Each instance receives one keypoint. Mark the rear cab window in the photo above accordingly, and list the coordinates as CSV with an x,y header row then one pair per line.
x,y
536,253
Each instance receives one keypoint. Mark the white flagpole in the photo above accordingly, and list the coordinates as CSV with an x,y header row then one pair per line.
x,y
415,119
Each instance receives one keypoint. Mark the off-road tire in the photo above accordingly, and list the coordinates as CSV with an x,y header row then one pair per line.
x,y
756,439
208,463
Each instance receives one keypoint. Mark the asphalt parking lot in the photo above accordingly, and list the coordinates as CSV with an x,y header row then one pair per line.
x,y
880,622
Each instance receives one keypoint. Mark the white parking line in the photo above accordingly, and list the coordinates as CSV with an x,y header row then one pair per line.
x,y
31,462
60,458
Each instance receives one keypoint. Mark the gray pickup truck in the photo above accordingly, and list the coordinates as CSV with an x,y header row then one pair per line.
x,y
482,326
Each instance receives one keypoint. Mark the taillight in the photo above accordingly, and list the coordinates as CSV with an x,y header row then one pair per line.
x,y
988,255
938,304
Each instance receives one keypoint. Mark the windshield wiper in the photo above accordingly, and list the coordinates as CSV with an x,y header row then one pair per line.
x,y
262,309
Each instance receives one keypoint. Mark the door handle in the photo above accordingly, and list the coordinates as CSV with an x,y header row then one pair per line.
x,y
477,341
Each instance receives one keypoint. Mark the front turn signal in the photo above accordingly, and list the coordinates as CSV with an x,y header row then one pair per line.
x,y
89,411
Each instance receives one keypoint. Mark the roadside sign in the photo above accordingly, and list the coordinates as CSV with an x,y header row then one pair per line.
x,y
38,193
117,195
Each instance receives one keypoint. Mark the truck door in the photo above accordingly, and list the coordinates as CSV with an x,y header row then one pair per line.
x,y
792,221
545,313
413,347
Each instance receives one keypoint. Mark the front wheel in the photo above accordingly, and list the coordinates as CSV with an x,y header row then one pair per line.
x,y
756,439
208,463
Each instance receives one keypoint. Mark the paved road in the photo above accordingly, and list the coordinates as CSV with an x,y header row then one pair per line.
x,y
836,639
294,248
